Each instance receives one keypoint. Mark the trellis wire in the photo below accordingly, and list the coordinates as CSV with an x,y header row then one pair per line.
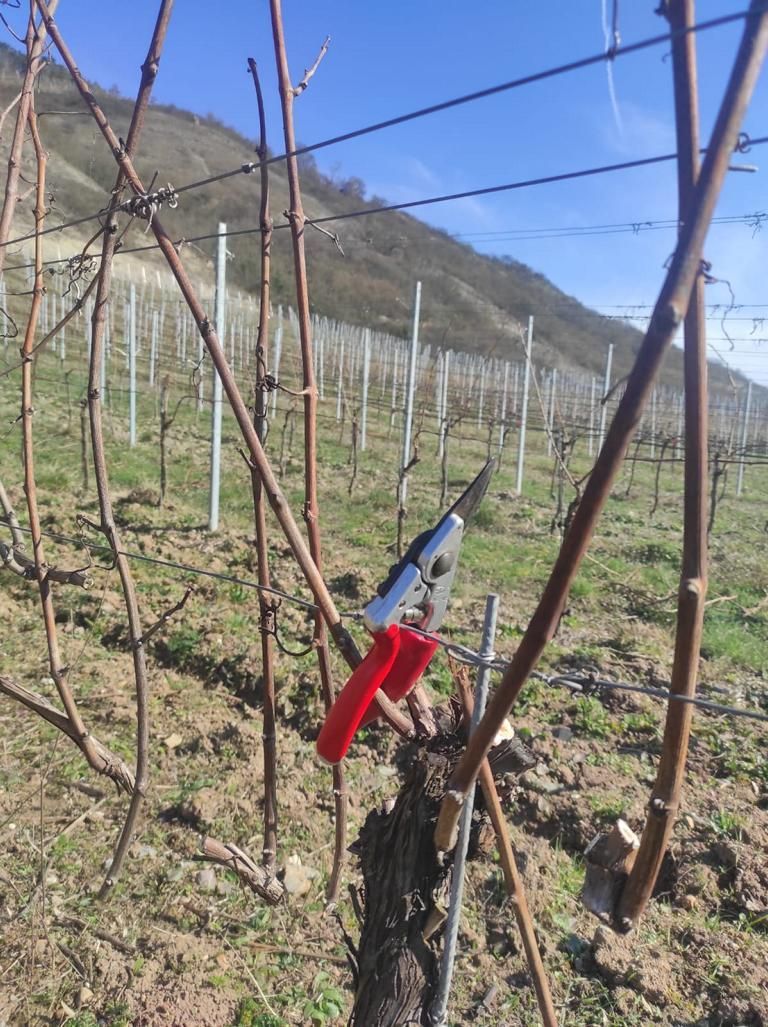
x,y
580,683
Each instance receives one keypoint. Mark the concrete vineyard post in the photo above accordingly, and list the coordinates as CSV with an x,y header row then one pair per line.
x,y
744,434
606,390
216,403
131,366
524,408
410,388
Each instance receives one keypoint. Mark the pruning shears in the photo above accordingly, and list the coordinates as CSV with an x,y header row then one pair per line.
x,y
414,596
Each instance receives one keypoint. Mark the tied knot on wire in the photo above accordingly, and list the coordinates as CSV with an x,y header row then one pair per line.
x,y
589,684
79,265
76,269
268,625
147,205
705,270
743,143
268,383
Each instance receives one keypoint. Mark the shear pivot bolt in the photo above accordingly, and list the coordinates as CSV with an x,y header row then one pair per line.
x,y
442,564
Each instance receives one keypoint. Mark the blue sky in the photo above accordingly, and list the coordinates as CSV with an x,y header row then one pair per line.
x,y
387,58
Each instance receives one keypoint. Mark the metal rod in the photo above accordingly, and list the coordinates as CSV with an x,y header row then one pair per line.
x,y
744,431
524,409
366,377
410,389
278,354
503,417
604,402
440,1004
591,436
216,405
131,367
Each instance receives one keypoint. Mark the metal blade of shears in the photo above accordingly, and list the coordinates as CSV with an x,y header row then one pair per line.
x,y
422,578
464,507
472,496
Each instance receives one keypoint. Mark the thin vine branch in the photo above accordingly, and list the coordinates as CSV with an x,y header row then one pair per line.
x,y
288,93
261,400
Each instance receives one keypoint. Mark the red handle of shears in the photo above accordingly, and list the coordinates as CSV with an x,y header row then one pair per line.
x,y
395,662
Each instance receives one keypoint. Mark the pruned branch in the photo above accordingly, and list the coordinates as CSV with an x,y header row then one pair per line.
x,y
108,524
311,503
34,43
512,879
665,796
267,623
166,616
101,759
309,72
260,880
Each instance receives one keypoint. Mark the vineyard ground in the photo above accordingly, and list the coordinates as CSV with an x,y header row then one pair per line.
x,y
194,948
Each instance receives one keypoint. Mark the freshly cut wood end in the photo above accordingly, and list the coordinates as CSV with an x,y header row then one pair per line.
x,y
447,827
609,860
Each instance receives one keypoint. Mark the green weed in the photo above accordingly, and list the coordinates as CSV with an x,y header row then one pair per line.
x,y
591,718
326,1002
249,1015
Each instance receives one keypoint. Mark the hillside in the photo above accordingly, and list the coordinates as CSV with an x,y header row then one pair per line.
x,y
470,301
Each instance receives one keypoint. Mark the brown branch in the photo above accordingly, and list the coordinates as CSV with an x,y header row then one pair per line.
x,y
668,312
352,458
7,110
309,72
166,616
59,672
311,504
34,42
259,879
633,465
277,499
512,879
286,439
108,524
261,402
10,555
657,477
102,760
77,923
333,236
665,796
719,470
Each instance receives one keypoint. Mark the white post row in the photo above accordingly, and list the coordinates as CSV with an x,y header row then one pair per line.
x,y
366,376
606,390
131,366
744,434
216,405
410,387
524,410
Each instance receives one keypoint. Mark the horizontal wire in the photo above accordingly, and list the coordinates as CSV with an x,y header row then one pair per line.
x,y
539,76
391,208
640,225
82,543
646,438
251,166
582,684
